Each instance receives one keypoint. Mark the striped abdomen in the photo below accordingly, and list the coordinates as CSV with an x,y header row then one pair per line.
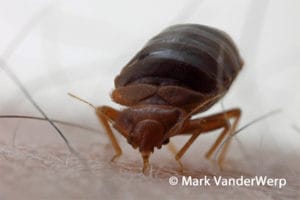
x,y
183,66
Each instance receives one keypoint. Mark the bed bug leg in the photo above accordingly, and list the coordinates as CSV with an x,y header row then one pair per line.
x,y
217,142
106,114
145,156
224,150
182,151
173,150
228,130
210,123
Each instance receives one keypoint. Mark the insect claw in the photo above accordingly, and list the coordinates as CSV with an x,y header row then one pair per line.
x,y
146,169
220,165
180,170
115,157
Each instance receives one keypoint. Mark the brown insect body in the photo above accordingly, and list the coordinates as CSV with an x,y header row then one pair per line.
x,y
182,71
146,125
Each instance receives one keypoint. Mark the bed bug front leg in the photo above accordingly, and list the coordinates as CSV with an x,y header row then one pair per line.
x,y
106,114
185,147
206,124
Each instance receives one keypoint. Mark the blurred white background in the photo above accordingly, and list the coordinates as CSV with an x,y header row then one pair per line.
x,y
56,47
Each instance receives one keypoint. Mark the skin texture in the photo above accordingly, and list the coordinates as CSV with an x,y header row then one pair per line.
x,y
58,174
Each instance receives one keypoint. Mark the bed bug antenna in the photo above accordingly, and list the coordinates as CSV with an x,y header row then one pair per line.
x,y
82,100
265,116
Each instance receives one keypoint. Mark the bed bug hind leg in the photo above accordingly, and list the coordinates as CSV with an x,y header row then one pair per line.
x,y
236,114
211,123
106,114
228,130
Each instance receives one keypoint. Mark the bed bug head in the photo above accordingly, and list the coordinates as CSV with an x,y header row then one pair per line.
x,y
145,126
146,135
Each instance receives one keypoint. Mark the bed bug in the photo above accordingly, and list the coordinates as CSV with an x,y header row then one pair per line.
x,y
180,72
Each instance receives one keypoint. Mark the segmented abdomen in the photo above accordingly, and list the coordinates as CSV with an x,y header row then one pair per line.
x,y
196,57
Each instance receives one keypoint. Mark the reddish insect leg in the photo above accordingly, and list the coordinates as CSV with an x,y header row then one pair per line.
x,y
173,150
210,123
106,114
228,130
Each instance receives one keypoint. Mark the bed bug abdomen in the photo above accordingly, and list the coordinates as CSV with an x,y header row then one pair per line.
x,y
191,60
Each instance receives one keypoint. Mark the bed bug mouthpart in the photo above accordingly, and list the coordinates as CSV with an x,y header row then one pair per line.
x,y
180,72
